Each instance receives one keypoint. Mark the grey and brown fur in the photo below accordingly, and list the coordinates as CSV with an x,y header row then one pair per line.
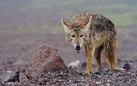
x,y
96,33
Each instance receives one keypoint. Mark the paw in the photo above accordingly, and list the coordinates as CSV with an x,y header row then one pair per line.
x,y
87,72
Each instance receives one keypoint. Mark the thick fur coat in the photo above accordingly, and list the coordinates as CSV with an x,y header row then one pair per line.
x,y
96,33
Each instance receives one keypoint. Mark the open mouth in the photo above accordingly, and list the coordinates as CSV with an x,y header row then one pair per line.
x,y
78,50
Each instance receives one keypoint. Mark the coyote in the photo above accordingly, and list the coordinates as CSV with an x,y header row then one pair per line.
x,y
96,33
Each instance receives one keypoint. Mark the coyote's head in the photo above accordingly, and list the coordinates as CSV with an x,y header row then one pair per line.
x,y
77,32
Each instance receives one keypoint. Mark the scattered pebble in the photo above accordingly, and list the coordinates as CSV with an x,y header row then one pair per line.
x,y
71,77
12,77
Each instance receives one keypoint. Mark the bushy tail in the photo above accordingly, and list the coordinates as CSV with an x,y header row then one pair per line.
x,y
110,48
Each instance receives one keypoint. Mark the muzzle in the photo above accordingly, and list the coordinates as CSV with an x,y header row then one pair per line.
x,y
78,48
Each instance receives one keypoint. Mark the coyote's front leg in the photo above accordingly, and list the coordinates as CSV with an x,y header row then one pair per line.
x,y
89,52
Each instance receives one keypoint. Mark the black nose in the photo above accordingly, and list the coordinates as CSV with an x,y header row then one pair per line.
x,y
77,47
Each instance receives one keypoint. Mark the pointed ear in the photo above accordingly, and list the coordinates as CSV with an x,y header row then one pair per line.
x,y
88,24
65,24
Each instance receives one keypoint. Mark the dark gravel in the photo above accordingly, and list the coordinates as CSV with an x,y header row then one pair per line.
x,y
74,77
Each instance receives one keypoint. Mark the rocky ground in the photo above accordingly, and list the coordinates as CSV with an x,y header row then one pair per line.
x,y
73,77
48,68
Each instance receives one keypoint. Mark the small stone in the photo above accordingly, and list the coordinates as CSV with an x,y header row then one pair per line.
x,y
127,66
41,81
97,82
97,73
83,65
12,77
107,72
130,66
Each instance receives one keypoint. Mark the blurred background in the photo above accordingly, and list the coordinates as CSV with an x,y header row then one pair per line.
x,y
27,24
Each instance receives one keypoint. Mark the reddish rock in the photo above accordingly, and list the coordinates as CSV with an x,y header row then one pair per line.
x,y
47,59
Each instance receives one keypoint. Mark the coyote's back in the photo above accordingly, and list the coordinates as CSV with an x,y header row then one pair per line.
x,y
96,33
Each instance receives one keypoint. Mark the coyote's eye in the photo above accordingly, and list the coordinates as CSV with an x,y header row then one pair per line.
x,y
81,35
73,36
